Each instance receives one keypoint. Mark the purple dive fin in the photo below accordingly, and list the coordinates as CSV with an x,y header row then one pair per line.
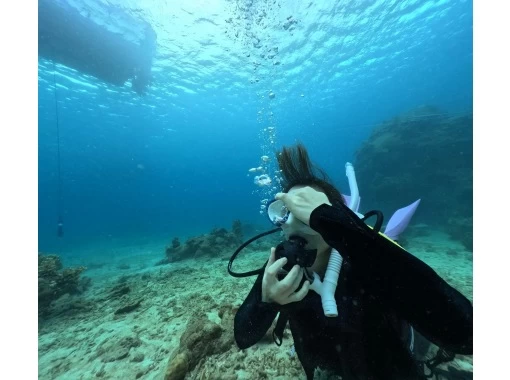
x,y
348,201
399,220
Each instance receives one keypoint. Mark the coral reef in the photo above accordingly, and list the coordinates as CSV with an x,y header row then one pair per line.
x,y
425,154
215,244
55,281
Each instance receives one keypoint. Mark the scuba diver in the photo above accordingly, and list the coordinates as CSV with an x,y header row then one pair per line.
x,y
373,304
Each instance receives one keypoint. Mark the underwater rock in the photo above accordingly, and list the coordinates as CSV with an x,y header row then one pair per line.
x,y
55,281
118,291
128,308
425,153
177,367
117,349
138,357
201,339
70,306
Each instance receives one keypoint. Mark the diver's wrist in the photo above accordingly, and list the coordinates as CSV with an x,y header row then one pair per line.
x,y
316,215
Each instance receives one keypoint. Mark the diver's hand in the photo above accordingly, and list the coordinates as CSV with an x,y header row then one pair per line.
x,y
302,202
284,291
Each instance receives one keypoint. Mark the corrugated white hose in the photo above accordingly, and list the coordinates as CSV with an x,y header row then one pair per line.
x,y
326,289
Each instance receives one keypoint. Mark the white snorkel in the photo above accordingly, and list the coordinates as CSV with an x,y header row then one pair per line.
x,y
326,289
354,199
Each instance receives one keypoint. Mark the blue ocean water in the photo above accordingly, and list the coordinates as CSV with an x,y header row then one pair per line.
x,y
175,162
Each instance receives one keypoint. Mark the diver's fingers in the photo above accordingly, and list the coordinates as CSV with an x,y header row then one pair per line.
x,y
296,282
274,268
271,257
281,197
288,281
298,296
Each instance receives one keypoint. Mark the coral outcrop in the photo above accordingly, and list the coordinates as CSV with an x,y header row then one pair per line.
x,y
425,154
201,339
55,281
218,243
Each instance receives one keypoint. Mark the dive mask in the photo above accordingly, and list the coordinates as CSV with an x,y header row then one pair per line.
x,y
281,217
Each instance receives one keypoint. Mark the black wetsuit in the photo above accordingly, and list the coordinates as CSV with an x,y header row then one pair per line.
x,y
381,288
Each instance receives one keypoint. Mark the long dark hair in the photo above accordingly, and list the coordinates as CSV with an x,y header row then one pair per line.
x,y
296,168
